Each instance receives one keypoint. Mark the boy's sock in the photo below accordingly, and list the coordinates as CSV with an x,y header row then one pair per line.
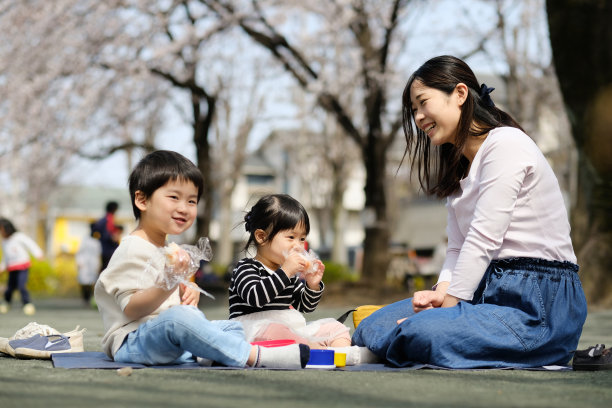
x,y
356,355
293,356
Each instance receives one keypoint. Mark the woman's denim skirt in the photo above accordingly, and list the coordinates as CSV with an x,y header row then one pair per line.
x,y
526,312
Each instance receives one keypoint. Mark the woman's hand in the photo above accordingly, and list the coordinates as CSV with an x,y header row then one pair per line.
x,y
189,295
427,299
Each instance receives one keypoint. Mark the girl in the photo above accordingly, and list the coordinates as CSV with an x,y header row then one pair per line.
x,y
266,293
508,293
16,250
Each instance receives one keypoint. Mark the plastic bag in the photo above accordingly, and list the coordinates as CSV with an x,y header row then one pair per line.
x,y
260,326
309,256
180,263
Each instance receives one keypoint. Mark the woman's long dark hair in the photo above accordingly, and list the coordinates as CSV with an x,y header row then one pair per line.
x,y
439,174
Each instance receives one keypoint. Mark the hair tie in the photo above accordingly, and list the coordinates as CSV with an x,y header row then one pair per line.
x,y
247,222
484,95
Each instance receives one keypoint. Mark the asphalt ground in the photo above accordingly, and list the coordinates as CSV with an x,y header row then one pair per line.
x,y
36,383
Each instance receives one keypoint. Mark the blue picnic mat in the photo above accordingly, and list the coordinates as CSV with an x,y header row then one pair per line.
x,y
99,360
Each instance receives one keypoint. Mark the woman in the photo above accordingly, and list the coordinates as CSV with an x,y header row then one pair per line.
x,y
508,294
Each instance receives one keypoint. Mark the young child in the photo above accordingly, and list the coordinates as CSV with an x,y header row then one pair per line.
x,y
16,251
266,293
88,259
148,324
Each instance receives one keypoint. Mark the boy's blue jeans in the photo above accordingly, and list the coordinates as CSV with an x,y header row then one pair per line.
x,y
526,313
179,334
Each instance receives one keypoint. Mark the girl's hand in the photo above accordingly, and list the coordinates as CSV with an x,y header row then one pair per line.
x,y
189,295
294,264
313,279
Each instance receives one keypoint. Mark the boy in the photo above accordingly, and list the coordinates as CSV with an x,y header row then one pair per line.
x,y
152,325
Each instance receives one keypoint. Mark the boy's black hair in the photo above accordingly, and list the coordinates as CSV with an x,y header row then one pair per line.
x,y
158,168
274,213
7,226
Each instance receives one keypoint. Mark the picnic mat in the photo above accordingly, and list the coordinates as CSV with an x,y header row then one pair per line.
x,y
95,359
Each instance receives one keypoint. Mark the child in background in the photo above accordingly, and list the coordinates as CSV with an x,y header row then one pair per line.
x,y
16,251
89,259
156,325
266,293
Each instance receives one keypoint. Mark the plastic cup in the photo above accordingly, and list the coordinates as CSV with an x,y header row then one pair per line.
x,y
340,359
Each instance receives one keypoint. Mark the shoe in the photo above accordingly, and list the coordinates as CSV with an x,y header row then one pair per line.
x,y
26,332
204,362
594,358
3,343
33,328
29,309
4,308
42,346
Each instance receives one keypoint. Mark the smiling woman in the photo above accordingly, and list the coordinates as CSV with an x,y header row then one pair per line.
x,y
508,294
435,112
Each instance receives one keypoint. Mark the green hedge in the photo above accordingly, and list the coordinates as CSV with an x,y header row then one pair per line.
x,y
51,280
337,272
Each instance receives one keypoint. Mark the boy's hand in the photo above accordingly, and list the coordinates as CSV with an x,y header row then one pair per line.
x,y
315,275
189,295
179,261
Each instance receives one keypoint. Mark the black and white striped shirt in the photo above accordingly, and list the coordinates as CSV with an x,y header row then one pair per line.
x,y
254,288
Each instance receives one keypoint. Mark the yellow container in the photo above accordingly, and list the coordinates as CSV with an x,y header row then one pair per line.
x,y
339,359
364,311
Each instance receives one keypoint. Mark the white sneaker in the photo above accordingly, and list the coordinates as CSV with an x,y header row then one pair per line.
x,y
4,308
29,309
43,346
26,336
33,328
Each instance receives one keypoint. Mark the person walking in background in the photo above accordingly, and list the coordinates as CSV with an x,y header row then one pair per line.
x,y
16,251
89,261
110,233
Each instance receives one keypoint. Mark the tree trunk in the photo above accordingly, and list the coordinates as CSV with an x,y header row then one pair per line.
x,y
338,250
581,37
377,235
225,246
201,126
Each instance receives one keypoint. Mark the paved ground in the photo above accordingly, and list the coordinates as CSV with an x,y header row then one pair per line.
x,y
35,383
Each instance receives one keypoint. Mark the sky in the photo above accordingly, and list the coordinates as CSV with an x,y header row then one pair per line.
x,y
431,37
